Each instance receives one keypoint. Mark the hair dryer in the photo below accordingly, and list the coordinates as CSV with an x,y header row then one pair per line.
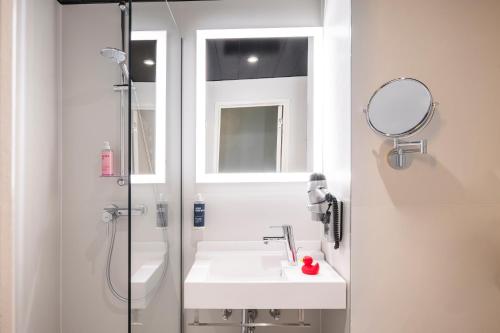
x,y
322,204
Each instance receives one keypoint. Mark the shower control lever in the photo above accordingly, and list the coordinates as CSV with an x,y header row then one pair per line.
x,y
113,211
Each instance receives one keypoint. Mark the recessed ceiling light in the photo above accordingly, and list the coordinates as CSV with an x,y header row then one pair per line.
x,y
252,59
149,62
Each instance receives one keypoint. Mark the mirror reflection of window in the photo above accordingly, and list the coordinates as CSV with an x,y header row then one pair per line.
x,y
251,139
258,98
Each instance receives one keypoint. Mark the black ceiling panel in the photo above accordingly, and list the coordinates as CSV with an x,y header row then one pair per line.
x,y
143,50
80,2
227,59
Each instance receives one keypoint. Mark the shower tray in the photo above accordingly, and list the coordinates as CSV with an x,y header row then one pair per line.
x,y
147,268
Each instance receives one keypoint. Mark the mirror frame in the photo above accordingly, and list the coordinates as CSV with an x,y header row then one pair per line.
x,y
422,124
159,176
316,33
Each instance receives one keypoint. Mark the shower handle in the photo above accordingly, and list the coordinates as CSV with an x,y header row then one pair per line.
x,y
113,211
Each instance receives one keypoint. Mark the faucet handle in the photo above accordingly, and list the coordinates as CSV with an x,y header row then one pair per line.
x,y
289,239
284,226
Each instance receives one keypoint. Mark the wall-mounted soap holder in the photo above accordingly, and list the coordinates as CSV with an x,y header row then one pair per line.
x,y
120,179
397,110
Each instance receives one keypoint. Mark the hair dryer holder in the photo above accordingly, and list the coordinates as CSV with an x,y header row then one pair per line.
x,y
333,222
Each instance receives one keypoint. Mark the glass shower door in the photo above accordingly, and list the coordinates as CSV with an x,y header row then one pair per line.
x,y
155,167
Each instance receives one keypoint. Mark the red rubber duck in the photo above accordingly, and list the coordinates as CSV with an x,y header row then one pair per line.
x,y
308,267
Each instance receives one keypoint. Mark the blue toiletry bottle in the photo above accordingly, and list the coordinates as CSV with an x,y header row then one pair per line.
x,y
199,212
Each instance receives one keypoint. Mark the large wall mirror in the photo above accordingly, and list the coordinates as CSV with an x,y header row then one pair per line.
x,y
148,75
258,114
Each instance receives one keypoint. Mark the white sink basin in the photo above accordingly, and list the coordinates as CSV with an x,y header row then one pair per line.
x,y
147,266
253,275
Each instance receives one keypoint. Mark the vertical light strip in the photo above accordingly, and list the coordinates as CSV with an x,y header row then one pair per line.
x,y
201,38
60,158
161,106
159,175
318,105
18,147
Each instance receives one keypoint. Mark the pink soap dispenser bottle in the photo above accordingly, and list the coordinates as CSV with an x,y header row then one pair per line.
x,y
106,160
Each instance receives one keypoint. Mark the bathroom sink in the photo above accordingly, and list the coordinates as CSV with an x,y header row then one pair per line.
x,y
248,268
254,275
147,267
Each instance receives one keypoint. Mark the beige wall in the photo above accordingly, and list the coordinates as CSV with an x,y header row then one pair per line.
x,y
6,108
426,241
36,173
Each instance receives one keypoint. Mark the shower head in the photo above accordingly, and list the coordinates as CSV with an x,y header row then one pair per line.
x,y
113,54
117,56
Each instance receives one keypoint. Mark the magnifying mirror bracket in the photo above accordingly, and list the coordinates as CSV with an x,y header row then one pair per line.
x,y
397,157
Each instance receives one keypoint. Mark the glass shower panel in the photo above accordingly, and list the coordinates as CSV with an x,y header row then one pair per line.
x,y
155,166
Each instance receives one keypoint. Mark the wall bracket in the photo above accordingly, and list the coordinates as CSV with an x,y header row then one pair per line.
x,y
397,157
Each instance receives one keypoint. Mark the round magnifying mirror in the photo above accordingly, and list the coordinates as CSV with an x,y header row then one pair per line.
x,y
400,108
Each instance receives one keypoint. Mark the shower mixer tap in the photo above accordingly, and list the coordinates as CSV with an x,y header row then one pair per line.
x,y
114,212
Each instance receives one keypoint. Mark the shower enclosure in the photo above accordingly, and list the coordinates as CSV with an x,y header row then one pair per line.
x,y
149,170
154,167
154,162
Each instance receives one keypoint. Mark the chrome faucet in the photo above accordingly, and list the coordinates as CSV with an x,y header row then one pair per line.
x,y
291,250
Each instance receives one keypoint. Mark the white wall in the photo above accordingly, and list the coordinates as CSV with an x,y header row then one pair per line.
x,y
238,211
337,139
90,115
36,158
426,240
293,90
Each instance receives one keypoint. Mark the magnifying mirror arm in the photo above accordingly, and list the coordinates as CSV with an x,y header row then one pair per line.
x,y
407,147
402,148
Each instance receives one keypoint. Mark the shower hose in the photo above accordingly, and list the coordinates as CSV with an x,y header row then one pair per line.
x,y
112,288
112,224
